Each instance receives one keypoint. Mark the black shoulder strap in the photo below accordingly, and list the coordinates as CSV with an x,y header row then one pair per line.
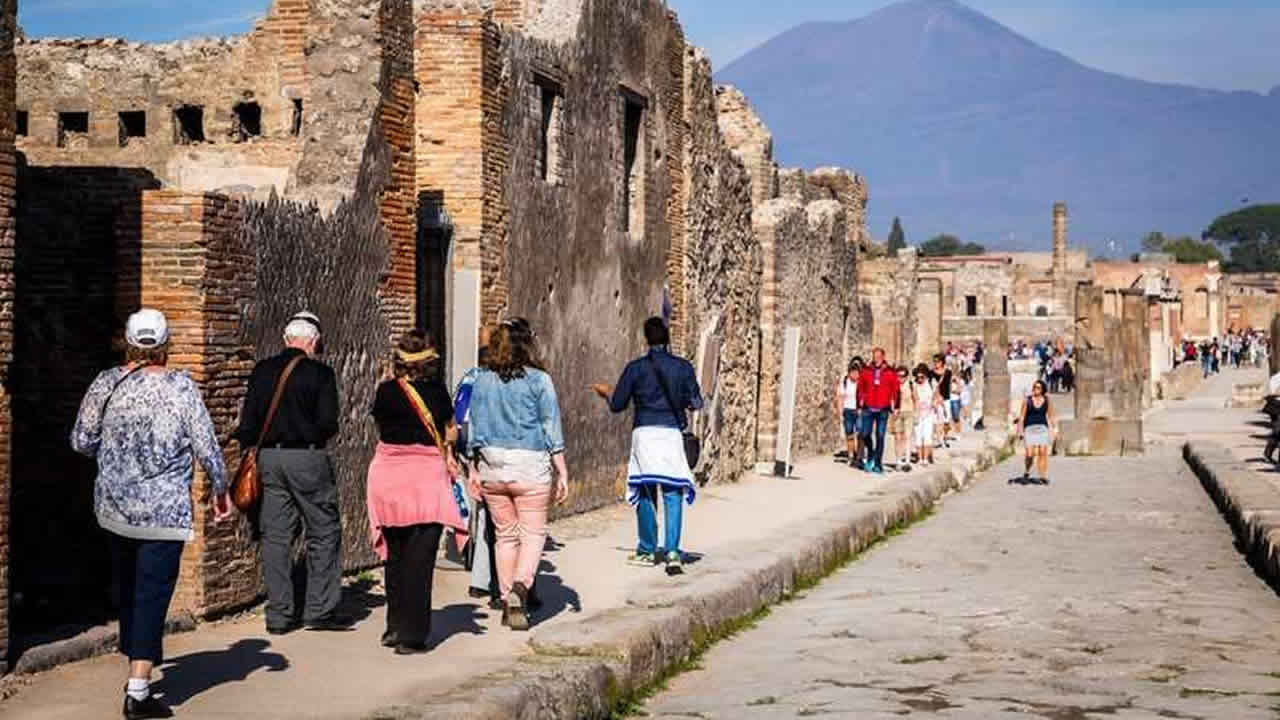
x,y
116,387
666,390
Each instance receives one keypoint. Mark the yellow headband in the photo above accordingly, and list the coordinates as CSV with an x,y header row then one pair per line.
x,y
424,356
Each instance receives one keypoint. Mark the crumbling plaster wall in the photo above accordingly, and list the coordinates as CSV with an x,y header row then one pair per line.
x,y
723,282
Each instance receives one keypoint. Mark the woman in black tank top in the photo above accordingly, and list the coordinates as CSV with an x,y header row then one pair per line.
x,y
1037,427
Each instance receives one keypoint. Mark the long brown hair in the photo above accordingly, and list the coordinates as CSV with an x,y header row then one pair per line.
x,y
511,350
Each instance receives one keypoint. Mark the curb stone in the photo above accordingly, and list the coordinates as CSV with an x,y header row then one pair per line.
x,y
97,641
586,668
1250,503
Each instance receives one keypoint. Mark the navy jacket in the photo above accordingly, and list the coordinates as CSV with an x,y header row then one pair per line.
x,y
639,386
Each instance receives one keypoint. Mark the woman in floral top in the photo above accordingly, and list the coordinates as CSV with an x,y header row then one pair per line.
x,y
144,424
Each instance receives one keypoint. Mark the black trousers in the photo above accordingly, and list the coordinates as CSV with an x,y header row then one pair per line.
x,y
148,574
411,563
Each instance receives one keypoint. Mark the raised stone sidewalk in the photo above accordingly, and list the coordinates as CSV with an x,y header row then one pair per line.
x,y
610,631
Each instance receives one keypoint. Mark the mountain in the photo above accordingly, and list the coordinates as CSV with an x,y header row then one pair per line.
x,y
962,125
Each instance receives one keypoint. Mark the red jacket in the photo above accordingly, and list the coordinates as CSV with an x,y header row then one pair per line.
x,y
883,395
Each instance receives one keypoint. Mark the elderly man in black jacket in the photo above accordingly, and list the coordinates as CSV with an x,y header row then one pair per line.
x,y
298,482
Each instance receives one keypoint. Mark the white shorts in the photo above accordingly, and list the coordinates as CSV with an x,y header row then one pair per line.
x,y
924,431
1038,436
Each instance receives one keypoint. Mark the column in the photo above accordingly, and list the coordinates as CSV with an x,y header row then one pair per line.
x,y
995,373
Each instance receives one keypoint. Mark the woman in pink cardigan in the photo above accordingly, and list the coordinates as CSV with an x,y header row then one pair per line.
x,y
410,487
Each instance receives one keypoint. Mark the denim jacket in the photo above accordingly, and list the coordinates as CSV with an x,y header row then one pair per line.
x,y
522,414
639,386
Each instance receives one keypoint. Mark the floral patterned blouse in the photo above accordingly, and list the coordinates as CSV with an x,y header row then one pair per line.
x,y
144,437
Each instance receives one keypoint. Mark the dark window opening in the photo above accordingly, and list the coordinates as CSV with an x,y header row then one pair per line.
x,y
188,125
133,124
72,125
432,268
1004,305
295,127
970,305
1042,311
20,125
632,216
550,99
248,121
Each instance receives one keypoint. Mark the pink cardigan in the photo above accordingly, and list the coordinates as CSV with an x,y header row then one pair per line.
x,y
410,485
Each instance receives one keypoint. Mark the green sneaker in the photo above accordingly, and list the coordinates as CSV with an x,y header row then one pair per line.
x,y
641,560
675,564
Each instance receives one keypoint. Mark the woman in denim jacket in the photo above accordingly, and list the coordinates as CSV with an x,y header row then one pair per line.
x,y
516,439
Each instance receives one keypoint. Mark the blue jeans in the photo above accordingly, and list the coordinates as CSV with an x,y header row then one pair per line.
x,y
647,515
874,424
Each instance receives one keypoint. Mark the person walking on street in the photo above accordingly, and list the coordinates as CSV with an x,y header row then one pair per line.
x,y
1037,427
484,567
900,424
942,379
661,387
144,424
879,396
410,487
846,397
298,482
516,439
924,403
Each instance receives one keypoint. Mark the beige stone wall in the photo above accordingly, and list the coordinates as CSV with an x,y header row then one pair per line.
x,y
750,139
888,297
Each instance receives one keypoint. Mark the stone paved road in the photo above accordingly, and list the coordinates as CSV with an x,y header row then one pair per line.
x,y
1114,593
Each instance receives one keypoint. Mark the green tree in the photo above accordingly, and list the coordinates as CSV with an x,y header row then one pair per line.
x,y
1253,234
949,245
1153,242
1187,249
897,238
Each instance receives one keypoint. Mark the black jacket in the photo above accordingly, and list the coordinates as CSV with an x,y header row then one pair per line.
x,y
308,413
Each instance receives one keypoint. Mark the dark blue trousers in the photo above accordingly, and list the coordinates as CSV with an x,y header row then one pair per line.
x,y
148,574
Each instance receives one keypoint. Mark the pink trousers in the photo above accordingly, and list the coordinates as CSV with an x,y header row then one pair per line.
x,y
519,512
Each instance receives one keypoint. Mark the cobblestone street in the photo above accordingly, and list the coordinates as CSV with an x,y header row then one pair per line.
x,y
1114,592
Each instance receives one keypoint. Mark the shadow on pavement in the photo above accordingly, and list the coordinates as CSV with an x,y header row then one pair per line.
x,y
556,597
189,675
453,620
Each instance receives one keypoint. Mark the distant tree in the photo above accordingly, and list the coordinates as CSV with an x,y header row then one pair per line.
x,y
949,245
1153,242
1187,249
1184,249
1253,234
897,238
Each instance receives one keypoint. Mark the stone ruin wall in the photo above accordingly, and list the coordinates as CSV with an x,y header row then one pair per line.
x,y
355,143
724,282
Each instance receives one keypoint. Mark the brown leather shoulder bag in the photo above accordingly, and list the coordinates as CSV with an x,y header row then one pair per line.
x,y
246,489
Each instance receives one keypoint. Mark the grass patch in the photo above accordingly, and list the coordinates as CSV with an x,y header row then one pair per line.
x,y
1190,692
367,578
917,659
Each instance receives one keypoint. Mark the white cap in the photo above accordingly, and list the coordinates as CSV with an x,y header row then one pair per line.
x,y
146,329
303,325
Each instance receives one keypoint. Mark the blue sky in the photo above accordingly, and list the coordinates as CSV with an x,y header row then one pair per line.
x,y
1229,44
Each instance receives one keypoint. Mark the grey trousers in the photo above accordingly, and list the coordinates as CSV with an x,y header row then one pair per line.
x,y
299,485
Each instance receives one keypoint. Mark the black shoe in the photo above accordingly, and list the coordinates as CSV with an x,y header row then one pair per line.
x,y
389,639
283,629
403,649
477,593
331,623
495,603
517,615
152,707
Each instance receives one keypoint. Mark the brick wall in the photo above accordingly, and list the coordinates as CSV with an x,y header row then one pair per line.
x,y
8,237
199,271
396,114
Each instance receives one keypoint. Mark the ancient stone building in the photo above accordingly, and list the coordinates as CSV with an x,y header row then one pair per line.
x,y
1033,290
387,165
1202,290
